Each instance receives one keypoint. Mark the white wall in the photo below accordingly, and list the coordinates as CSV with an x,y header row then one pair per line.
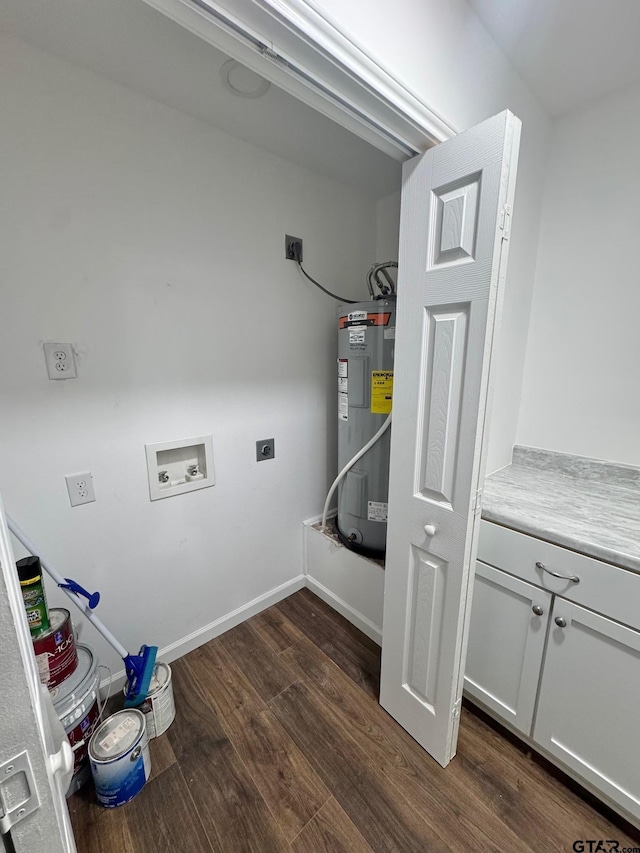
x,y
155,244
388,227
441,51
581,381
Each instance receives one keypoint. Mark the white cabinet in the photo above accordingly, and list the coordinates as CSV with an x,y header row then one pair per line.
x,y
593,584
589,706
568,679
506,644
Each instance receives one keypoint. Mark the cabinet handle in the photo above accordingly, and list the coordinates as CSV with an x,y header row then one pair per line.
x,y
561,622
572,578
539,611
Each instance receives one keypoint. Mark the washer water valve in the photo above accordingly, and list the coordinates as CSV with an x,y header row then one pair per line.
x,y
179,466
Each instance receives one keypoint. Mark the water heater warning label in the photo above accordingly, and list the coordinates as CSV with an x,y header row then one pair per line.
x,y
343,407
357,334
343,388
381,391
377,511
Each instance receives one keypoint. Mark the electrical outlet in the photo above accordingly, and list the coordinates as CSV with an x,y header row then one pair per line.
x,y
80,488
293,248
61,363
265,449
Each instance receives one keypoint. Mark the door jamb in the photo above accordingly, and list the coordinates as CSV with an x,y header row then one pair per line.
x,y
305,53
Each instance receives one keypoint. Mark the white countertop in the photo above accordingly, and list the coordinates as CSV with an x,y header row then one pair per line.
x,y
587,505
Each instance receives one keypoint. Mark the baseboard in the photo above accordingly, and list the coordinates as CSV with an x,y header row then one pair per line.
x,y
198,638
350,614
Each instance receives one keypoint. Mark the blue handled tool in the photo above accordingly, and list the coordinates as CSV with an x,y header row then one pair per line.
x,y
139,668
92,597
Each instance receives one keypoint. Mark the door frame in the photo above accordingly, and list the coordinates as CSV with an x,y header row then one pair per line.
x,y
27,724
297,47
304,52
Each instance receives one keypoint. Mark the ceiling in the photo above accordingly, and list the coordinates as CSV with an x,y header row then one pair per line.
x,y
569,52
130,43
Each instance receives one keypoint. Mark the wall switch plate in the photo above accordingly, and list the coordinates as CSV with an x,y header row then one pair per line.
x,y
60,360
265,449
80,488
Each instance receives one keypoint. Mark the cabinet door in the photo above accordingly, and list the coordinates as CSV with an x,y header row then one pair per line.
x,y
589,701
506,644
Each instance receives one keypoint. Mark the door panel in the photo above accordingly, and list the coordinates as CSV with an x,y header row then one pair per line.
x,y
444,369
452,261
506,645
428,576
456,222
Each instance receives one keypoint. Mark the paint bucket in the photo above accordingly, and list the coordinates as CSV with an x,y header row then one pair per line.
x,y
56,649
119,757
76,703
159,707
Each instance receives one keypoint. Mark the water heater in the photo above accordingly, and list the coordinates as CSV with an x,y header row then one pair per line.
x,y
366,338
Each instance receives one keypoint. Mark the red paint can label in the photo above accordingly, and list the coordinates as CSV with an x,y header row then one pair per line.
x,y
77,705
55,650
80,735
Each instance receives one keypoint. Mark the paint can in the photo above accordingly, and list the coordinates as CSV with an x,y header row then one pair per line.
x,y
76,702
119,757
33,594
56,649
159,707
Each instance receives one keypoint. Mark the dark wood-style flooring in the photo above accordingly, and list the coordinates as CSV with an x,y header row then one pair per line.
x,y
279,744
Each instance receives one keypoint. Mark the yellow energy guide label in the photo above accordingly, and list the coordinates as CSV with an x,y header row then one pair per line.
x,y
381,391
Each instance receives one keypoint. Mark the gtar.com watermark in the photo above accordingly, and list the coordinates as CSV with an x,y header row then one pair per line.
x,y
601,845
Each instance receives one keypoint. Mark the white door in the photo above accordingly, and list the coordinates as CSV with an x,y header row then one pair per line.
x,y
456,206
508,627
36,761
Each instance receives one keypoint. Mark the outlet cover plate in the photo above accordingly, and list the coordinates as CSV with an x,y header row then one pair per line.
x,y
265,449
61,363
288,247
80,488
